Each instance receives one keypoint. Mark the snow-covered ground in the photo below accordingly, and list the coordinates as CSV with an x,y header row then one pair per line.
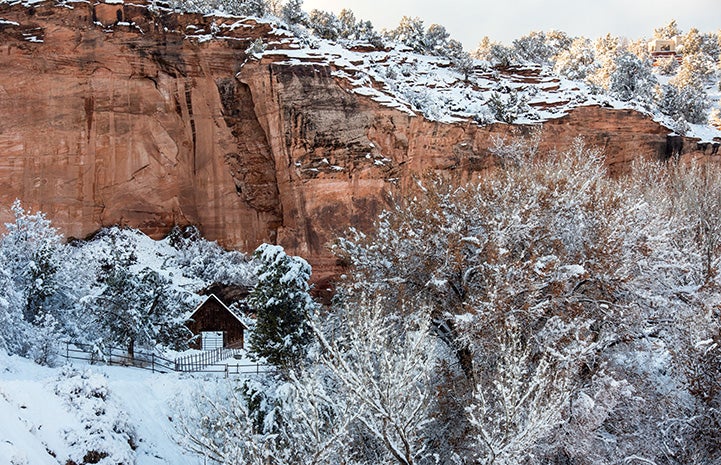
x,y
45,414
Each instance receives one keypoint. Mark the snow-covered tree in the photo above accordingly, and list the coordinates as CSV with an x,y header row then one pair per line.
x,y
533,48
696,196
324,24
221,425
382,358
558,41
668,31
30,252
606,49
348,24
495,53
135,308
435,40
30,306
507,108
410,32
256,8
200,258
632,79
283,306
460,59
525,402
688,103
13,327
578,61
696,70
292,12
667,66
366,32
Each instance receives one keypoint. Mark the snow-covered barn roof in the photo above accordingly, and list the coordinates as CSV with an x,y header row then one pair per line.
x,y
225,307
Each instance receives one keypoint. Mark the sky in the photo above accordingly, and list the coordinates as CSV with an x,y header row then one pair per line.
x,y
505,20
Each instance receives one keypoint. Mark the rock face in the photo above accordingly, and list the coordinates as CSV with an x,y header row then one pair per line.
x,y
110,115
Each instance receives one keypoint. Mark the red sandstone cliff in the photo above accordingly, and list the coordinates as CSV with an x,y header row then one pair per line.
x,y
110,115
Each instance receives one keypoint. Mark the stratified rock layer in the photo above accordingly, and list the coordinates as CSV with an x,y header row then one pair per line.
x,y
110,115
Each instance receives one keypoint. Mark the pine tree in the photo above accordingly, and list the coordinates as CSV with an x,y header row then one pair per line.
x,y
632,79
283,307
495,53
509,108
533,48
135,308
692,42
696,70
668,31
410,32
324,24
348,24
31,251
578,61
292,12
435,40
607,48
460,59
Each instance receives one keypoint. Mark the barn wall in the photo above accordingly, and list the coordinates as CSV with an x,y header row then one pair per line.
x,y
211,316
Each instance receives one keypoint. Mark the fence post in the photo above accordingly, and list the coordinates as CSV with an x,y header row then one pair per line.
x,y
152,363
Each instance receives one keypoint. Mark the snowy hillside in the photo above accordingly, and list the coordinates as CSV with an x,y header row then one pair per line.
x,y
425,72
430,86
51,416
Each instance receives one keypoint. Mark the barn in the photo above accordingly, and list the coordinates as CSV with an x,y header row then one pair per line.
x,y
214,325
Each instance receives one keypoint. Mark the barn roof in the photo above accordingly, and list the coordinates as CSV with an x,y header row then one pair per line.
x,y
225,307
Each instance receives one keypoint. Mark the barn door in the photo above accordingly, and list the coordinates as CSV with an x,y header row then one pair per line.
x,y
212,340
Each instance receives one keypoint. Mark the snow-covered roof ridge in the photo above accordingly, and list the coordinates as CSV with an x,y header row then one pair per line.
x,y
214,298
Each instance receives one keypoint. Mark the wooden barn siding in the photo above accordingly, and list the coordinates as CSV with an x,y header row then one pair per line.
x,y
213,317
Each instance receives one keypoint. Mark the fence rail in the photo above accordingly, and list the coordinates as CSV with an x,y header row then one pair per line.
x,y
195,363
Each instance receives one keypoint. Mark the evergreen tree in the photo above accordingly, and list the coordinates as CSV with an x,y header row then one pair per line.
x,y
435,40
508,109
632,79
366,32
533,48
460,59
283,307
668,31
696,70
13,328
136,308
348,24
607,48
410,32
31,253
692,42
578,61
292,12
694,104
495,53
324,24
667,66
